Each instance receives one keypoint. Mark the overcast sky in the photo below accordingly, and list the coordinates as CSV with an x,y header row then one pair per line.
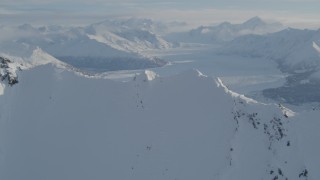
x,y
296,13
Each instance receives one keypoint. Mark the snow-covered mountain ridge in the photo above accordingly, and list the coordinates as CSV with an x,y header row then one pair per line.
x,y
57,124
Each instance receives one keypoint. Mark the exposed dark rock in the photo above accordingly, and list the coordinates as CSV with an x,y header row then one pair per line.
x,y
6,74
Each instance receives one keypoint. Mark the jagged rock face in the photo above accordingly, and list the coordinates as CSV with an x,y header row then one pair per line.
x,y
6,73
189,126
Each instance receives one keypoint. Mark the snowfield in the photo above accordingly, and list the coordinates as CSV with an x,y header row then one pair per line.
x,y
58,124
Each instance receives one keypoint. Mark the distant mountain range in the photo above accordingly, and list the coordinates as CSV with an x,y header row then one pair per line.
x,y
296,53
132,35
294,49
225,31
110,45
120,44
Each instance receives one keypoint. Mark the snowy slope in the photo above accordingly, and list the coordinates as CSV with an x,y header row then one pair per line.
x,y
225,31
307,128
56,124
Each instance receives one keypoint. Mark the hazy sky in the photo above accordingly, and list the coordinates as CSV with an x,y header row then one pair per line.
x,y
297,13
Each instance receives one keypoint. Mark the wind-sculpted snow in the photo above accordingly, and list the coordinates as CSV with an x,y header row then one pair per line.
x,y
57,124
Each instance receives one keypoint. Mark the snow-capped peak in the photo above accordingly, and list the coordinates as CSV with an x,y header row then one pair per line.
x,y
37,58
40,57
254,22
